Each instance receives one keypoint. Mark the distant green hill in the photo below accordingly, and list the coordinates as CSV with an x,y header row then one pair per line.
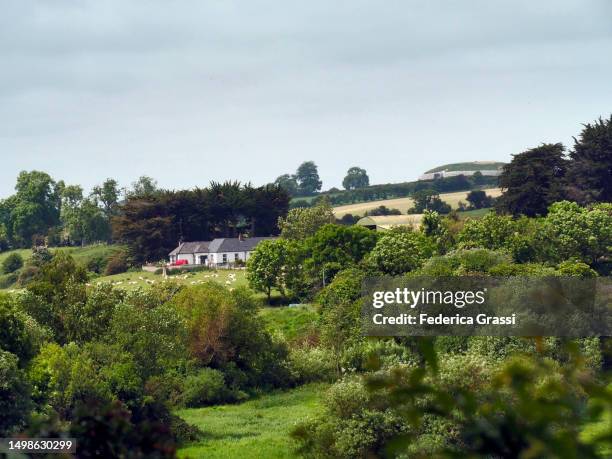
x,y
468,166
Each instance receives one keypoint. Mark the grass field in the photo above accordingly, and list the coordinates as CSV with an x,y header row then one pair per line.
x,y
403,204
254,429
474,213
468,166
131,280
289,321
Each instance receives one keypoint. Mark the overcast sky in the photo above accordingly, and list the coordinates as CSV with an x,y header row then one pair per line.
x,y
193,91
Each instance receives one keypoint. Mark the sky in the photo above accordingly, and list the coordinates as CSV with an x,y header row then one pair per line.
x,y
193,91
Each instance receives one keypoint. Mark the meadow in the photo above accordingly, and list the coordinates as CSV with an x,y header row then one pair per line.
x,y
131,280
256,428
403,204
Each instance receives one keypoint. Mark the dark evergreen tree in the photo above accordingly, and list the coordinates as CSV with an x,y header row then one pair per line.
x,y
590,168
533,180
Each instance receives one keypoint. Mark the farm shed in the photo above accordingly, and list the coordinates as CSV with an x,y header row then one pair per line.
x,y
386,222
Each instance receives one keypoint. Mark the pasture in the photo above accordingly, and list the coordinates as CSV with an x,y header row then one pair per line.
x,y
403,204
257,428
131,280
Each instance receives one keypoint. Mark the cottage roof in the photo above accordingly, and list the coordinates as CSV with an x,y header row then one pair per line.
x,y
191,247
235,244
218,245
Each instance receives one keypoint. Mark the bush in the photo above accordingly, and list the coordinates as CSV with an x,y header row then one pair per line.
x,y
399,251
385,351
12,263
224,329
14,394
97,264
353,424
15,336
309,364
206,387
117,264
465,261
8,280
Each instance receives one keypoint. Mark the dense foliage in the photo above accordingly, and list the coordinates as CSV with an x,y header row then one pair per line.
x,y
152,225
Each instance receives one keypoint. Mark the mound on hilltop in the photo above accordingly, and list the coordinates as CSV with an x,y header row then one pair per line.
x,y
468,166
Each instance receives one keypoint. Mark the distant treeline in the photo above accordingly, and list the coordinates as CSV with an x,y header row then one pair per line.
x,y
400,190
151,226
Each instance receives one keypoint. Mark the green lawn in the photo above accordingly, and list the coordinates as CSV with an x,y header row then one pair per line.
x,y
289,321
254,429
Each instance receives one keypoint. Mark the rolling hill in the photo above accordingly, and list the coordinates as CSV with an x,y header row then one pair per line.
x,y
403,204
468,166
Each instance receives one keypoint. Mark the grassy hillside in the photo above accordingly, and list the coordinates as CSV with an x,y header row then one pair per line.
x,y
255,429
403,204
129,281
82,256
468,166
290,321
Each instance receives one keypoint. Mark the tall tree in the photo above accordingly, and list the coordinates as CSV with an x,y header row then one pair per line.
x,y
34,208
590,168
144,186
288,183
356,178
108,194
307,177
533,180
151,226
303,222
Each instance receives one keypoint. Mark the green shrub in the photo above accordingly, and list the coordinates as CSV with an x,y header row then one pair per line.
x,y
224,327
97,264
399,251
167,388
499,348
15,336
14,394
451,344
346,398
117,264
8,280
385,351
206,387
12,263
575,268
353,425
309,364
27,274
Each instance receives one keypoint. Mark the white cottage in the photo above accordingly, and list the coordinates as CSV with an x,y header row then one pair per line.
x,y
218,252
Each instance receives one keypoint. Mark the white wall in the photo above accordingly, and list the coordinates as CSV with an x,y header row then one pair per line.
x,y
214,258
186,256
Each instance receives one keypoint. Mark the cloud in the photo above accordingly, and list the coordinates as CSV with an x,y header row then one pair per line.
x,y
191,91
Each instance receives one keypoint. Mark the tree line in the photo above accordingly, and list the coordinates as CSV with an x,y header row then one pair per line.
x,y
148,219
151,226
540,176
